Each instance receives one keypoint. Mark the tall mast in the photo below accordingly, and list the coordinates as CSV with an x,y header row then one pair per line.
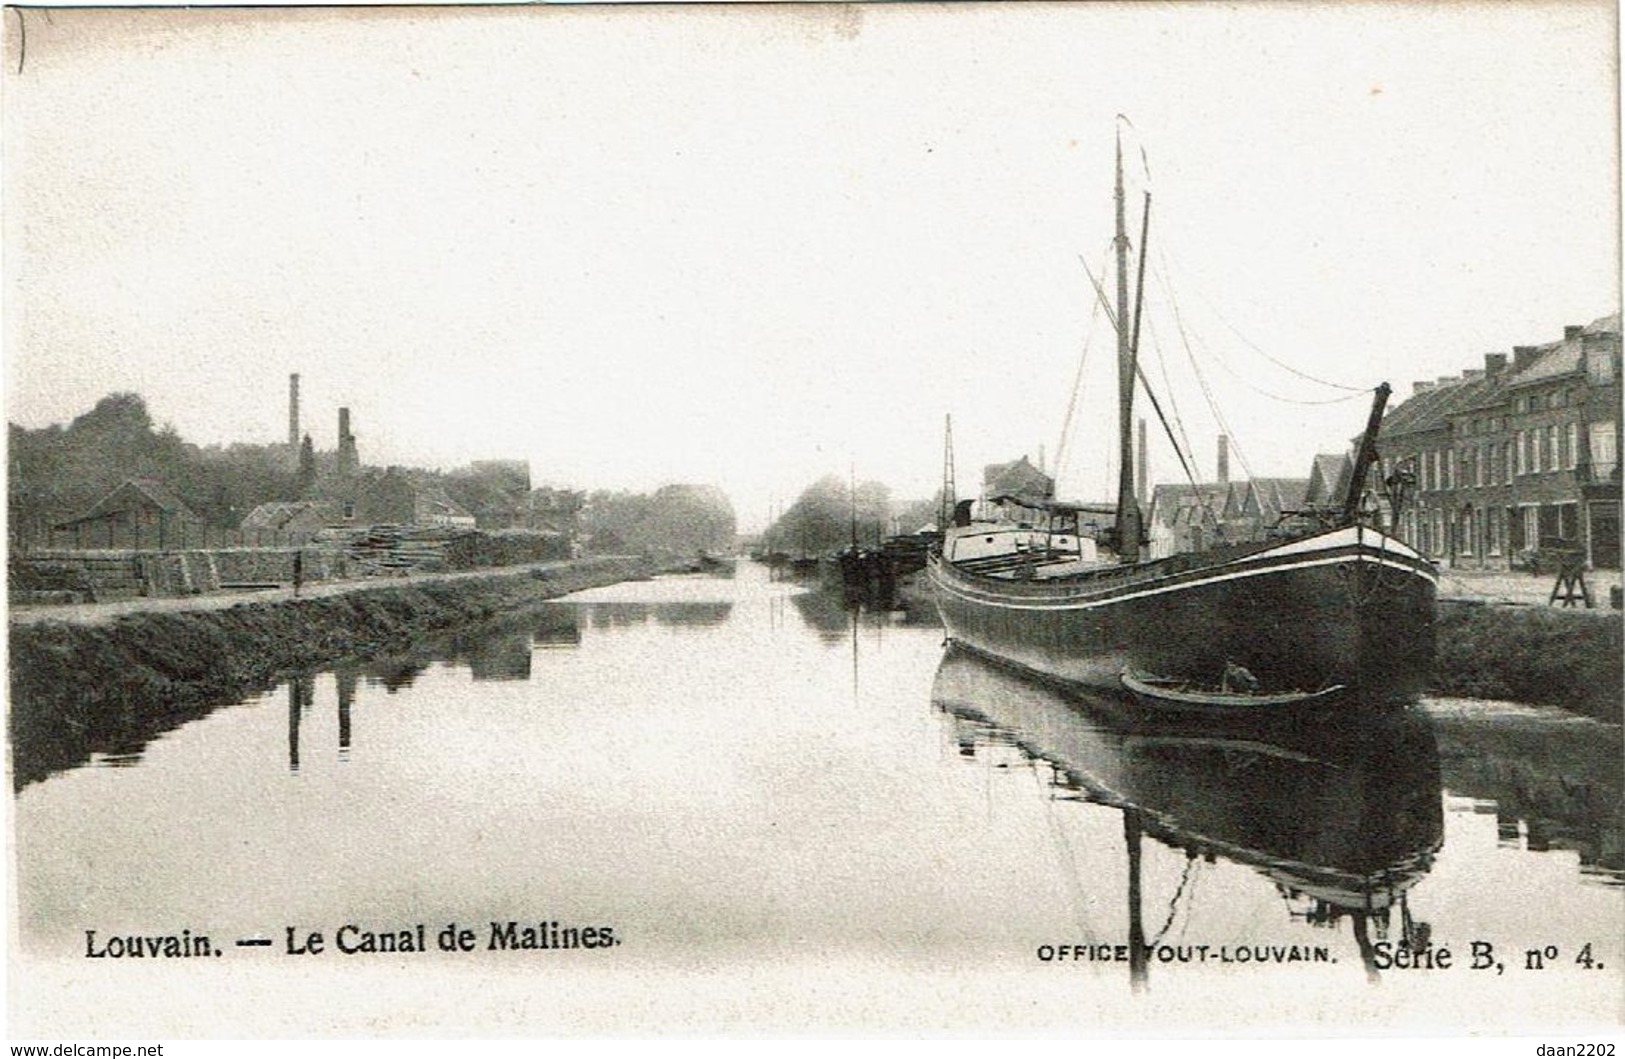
x,y
852,500
945,510
1128,514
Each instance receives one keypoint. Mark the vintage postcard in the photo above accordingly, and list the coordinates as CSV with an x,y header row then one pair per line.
x,y
1057,519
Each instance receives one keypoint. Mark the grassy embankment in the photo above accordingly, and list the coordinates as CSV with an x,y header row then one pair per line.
x,y
142,669
1538,655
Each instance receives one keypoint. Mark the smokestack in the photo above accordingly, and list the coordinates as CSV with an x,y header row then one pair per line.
x,y
1143,470
293,412
1495,363
349,461
1224,460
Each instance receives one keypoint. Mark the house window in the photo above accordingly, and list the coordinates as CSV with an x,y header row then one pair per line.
x,y
1506,463
1604,453
1551,447
1522,447
1571,445
1568,521
1493,521
1600,367
1486,470
1450,469
1465,531
1531,525
349,509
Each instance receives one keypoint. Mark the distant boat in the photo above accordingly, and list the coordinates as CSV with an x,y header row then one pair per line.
x,y
1335,602
1342,819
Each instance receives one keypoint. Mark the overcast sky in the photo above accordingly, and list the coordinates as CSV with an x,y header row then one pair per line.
x,y
754,245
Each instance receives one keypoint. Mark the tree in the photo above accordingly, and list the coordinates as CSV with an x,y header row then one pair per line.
x,y
675,520
829,514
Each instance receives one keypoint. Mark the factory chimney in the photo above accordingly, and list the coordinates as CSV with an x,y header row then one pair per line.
x,y
349,460
293,412
1224,459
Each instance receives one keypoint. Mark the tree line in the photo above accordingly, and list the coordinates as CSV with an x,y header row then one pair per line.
x,y
59,472
831,514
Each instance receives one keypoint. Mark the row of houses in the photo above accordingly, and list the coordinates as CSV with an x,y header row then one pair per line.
x,y
1187,517
1519,455
1516,457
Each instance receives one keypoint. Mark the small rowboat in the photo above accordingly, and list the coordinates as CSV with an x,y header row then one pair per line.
x,y
1165,691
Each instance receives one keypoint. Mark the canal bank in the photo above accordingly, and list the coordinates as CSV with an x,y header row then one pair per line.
x,y
83,668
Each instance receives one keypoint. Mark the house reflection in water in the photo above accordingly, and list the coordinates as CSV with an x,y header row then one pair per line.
x,y
1342,822
505,657
557,626
604,616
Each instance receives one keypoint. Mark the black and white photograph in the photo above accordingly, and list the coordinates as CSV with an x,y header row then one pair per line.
x,y
982,520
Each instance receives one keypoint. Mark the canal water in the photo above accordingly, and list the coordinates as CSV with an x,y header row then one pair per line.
x,y
733,803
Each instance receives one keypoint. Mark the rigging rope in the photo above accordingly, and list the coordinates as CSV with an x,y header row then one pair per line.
x,y
1077,379
1139,371
1173,905
1162,279
1203,500
1080,900
1353,390
1207,391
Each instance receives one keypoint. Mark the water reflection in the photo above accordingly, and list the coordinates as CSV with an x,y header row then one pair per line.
x,y
1342,820
345,677
834,613
116,733
604,616
1553,782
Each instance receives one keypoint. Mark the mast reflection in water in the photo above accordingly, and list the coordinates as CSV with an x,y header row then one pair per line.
x,y
1342,821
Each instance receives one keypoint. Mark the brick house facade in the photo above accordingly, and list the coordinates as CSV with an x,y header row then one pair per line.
x,y
1515,456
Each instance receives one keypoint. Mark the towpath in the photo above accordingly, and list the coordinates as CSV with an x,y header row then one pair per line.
x,y
99,613
1502,586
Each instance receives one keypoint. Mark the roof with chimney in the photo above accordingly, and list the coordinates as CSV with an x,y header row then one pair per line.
x,y
1433,403
1565,357
1431,408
